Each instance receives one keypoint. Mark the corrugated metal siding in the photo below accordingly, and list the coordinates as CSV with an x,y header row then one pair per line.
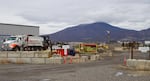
x,y
12,29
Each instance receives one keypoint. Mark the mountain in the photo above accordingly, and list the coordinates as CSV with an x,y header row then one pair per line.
x,y
145,34
98,32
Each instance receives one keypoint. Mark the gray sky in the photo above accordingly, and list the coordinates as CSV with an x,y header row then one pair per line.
x,y
55,15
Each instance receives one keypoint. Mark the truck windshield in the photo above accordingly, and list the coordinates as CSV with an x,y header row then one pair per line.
x,y
11,38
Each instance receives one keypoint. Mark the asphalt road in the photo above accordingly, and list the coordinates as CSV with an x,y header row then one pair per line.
x,y
107,69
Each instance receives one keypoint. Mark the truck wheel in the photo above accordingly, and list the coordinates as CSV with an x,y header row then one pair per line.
x,y
17,49
39,49
25,49
21,49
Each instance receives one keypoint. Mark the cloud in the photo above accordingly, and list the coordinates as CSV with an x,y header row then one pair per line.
x,y
55,15
53,27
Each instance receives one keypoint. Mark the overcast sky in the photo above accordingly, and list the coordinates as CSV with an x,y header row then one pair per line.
x,y
55,15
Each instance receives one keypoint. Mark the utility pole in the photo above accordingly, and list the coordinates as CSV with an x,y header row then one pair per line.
x,y
149,51
132,51
132,46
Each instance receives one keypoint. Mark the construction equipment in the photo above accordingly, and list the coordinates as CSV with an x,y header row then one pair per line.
x,y
88,48
24,42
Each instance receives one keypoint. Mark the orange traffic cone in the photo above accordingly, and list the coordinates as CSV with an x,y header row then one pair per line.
x,y
71,60
125,60
64,59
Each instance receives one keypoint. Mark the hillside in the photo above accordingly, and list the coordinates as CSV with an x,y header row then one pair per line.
x,y
97,32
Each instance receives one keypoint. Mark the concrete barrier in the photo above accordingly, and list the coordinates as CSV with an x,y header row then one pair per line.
x,y
19,60
76,59
14,55
42,57
83,59
31,57
3,54
42,54
27,54
139,64
38,60
24,60
4,61
98,57
147,65
131,62
93,57
54,60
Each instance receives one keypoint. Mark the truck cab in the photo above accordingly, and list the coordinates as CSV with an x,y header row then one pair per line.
x,y
12,43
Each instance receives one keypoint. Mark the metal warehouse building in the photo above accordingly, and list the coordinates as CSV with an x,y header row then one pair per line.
x,y
14,29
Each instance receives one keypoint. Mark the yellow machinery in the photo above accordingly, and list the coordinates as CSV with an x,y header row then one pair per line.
x,y
88,48
91,48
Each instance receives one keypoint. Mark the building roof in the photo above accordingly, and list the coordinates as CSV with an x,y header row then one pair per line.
x,y
19,25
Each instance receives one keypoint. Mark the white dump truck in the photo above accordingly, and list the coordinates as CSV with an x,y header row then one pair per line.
x,y
23,42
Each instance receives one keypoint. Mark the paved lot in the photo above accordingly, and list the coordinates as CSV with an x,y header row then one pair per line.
x,y
103,70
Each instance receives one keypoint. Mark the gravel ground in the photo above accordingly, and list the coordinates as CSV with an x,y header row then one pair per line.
x,y
104,70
